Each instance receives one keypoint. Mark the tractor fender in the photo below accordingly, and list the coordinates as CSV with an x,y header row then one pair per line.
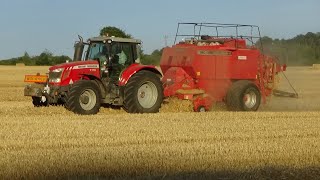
x,y
133,69
103,89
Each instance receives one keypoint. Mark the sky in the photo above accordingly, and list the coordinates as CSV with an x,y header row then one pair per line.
x,y
36,25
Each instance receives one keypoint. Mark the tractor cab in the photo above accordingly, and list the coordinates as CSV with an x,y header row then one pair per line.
x,y
114,54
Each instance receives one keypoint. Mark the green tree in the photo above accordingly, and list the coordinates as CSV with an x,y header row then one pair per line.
x,y
114,31
300,50
26,59
60,59
45,58
154,58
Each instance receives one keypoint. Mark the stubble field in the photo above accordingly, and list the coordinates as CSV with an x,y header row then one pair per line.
x,y
281,140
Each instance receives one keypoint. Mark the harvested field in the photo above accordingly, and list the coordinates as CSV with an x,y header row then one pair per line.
x,y
281,141
316,66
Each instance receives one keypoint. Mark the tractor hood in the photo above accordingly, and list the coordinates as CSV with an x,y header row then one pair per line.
x,y
67,73
73,64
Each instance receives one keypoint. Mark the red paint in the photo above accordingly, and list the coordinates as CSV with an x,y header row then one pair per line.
x,y
214,68
82,72
70,73
132,69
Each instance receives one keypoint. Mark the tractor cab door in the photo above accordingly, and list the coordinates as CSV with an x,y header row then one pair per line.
x,y
122,55
98,51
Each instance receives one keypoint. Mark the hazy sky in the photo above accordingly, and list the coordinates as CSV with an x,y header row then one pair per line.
x,y
36,25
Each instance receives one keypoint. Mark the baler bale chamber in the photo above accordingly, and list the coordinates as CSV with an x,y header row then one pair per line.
x,y
219,63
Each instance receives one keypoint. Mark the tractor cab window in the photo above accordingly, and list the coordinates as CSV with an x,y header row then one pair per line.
x,y
123,53
96,51
129,51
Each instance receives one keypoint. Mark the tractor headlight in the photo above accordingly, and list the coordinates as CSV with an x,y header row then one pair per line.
x,y
57,80
58,70
55,75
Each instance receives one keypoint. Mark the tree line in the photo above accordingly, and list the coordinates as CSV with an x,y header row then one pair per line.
x,y
300,50
46,58
297,51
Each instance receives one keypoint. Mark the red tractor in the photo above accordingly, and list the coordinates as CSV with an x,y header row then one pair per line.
x,y
210,65
105,70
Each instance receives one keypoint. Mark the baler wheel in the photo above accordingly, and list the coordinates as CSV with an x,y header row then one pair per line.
x,y
84,98
243,95
201,109
143,93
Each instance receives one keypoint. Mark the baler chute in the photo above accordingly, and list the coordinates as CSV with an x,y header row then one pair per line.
x,y
206,68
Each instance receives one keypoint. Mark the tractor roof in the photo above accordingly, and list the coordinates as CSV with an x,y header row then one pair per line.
x,y
116,39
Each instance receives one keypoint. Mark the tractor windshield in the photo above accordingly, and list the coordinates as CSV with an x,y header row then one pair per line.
x,y
96,50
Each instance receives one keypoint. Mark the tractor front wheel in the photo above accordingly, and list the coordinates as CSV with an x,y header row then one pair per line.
x,y
243,95
37,102
143,93
84,98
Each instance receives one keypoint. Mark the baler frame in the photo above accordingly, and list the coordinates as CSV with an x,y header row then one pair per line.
x,y
247,66
197,34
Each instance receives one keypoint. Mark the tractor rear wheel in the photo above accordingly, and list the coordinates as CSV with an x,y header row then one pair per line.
x,y
143,93
84,98
243,95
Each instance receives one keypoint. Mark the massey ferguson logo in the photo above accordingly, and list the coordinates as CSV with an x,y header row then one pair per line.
x,y
86,66
214,53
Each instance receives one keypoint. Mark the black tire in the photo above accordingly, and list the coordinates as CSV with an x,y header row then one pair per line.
x,y
243,95
143,93
60,102
36,101
201,109
84,98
